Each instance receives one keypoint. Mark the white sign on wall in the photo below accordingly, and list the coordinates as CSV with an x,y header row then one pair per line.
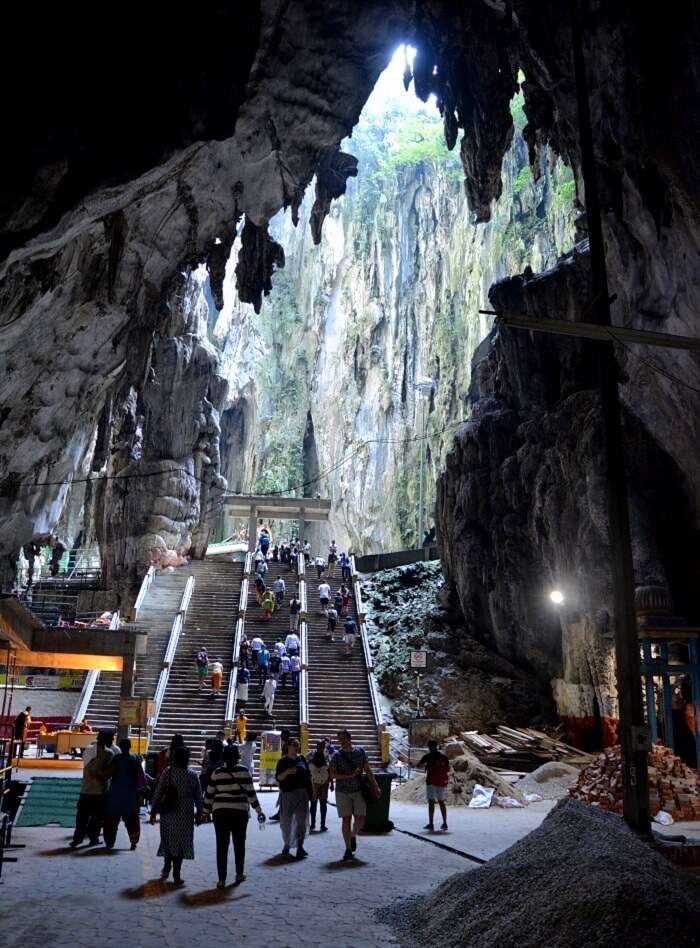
x,y
419,659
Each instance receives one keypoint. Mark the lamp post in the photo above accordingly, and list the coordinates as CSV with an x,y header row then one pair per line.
x,y
424,387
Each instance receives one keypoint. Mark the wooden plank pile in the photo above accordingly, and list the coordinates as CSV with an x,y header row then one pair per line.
x,y
673,786
522,749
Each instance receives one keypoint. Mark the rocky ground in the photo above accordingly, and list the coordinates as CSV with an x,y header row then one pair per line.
x,y
466,682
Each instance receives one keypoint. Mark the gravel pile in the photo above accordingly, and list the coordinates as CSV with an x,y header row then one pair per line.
x,y
581,878
552,780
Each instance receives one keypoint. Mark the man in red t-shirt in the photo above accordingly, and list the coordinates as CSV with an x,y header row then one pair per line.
x,y
437,771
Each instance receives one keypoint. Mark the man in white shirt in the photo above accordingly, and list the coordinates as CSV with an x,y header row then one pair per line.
x,y
269,694
247,751
307,551
292,644
281,649
279,587
320,564
324,594
256,646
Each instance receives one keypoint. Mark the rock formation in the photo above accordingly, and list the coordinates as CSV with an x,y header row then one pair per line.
x,y
128,166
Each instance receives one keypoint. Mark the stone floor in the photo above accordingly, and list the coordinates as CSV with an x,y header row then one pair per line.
x,y
58,897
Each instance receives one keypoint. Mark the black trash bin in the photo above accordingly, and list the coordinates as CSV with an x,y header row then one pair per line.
x,y
377,820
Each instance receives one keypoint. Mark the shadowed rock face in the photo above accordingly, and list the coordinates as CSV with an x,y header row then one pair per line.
x,y
137,147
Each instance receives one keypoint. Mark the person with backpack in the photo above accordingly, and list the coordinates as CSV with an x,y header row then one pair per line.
x,y
351,772
229,797
437,771
294,610
178,800
202,662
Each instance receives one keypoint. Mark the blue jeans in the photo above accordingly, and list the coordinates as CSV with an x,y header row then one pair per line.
x,y
295,679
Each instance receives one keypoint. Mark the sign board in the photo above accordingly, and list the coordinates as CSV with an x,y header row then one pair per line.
x,y
43,681
135,712
422,730
419,659
270,754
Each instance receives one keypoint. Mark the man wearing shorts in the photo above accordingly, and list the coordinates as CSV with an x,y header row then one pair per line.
x,y
347,766
350,631
437,771
324,595
202,661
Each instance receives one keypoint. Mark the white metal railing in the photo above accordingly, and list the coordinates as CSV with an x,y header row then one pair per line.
x,y
303,655
87,558
232,696
303,600
248,565
170,650
369,661
91,680
143,591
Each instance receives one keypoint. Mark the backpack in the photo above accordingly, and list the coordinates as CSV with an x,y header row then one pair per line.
x,y
439,772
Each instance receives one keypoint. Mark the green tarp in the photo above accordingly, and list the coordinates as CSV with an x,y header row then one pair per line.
x,y
50,800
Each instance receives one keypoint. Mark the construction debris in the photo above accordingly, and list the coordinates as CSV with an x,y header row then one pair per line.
x,y
581,878
552,781
673,786
522,749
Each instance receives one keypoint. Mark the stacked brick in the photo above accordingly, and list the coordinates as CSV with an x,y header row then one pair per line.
x,y
673,786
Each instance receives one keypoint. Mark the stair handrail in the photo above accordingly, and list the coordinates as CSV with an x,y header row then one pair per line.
x,y
230,712
304,656
91,679
231,697
248,565
170,649
143,591
369,662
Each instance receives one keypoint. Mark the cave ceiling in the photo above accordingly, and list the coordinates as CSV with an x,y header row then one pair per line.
x,y
136,144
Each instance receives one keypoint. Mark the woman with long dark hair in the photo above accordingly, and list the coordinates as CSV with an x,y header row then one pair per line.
x,y
178,800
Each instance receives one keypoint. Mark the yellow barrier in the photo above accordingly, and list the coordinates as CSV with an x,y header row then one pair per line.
x,y
304,737
385,743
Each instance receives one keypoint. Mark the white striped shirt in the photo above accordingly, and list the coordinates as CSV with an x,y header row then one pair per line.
x,y
231,790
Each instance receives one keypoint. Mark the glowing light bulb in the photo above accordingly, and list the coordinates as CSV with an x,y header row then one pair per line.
x,y
557,597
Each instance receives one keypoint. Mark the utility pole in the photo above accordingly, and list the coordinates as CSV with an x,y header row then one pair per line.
x,y
424,388
632,731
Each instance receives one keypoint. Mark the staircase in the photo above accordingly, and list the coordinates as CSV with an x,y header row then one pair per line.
x,y
156,616
339,695
286,707
211,622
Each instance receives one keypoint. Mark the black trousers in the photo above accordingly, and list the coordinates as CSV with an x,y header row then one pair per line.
x,y
230,825
324,810
89,817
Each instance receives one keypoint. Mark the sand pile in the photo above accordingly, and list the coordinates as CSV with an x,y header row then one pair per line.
x,y
551,781
581,878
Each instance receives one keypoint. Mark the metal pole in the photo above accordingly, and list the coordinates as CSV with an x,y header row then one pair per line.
x,y
632,731
420,485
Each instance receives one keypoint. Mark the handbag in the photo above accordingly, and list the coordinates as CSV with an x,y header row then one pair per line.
x,y
366,786
168,801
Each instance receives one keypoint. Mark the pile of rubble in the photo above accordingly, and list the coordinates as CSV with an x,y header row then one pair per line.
x,y
673,786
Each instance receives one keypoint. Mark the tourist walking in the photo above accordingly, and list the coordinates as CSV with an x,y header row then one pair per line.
x,y
211,761
345,596
295,669
255,647
178,801
280,648
319,770
264,542
244,651
268,605
241,727
307,551
292,774
31,550
279,588
242,685
217,674
349,633
57,551
324,595
263,664
332,558
437,772
247,751
21,730
292,644
202,662
294,610
260,588
269,690
320,565
93,788
126,781
285,667
338,603
332,617
275,665
229,796
348,766
344,567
